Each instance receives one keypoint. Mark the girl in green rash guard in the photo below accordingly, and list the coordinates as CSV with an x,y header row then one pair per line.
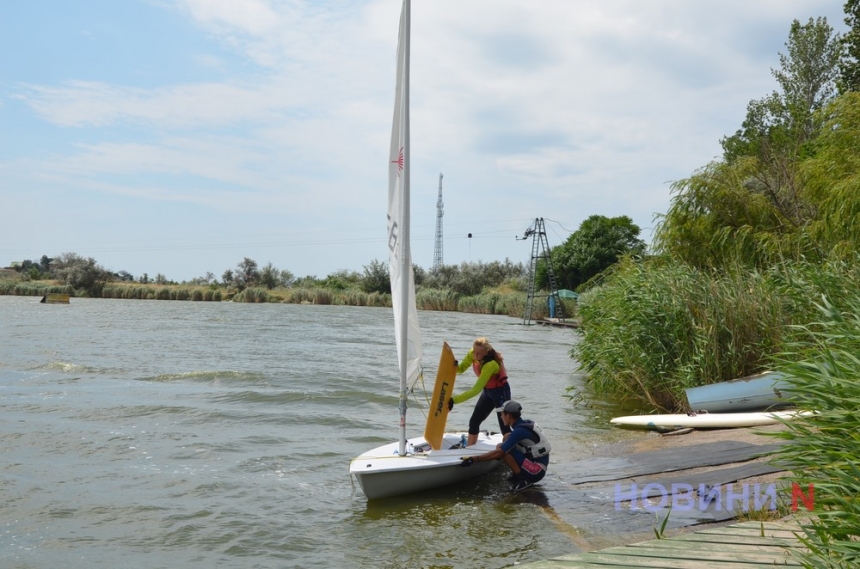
x,y
492,384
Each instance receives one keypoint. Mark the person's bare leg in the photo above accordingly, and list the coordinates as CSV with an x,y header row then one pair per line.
x,y
512,464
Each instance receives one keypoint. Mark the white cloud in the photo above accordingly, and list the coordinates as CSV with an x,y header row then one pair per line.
x,y
556,108
251,17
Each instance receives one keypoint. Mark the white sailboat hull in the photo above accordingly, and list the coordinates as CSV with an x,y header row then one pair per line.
x,y
383,473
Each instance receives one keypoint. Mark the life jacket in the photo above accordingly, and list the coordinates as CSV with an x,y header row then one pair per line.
x,y
536,445
497,379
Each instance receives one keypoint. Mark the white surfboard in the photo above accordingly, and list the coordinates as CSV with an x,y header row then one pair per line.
x,y
706,420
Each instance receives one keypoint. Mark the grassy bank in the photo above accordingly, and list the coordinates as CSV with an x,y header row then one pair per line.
x,y
508,303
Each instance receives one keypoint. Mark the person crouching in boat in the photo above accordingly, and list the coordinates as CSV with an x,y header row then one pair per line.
x,y
525,450
492,384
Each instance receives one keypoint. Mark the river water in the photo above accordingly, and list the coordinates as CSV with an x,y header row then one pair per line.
x,y
176,434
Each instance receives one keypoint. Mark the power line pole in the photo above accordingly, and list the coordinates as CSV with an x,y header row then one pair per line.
x,y
540,250
437,249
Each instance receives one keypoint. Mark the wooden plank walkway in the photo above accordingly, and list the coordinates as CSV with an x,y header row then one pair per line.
x,y
746,545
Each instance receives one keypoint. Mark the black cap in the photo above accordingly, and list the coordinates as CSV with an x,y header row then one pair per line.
x,y
512,407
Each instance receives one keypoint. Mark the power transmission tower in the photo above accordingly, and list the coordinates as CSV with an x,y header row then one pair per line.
x,y
540,250
437,249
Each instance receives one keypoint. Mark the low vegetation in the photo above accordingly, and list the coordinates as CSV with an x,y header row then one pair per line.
x,y
499,287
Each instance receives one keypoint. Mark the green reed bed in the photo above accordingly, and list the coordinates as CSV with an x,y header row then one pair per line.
x,y
824,455
436,299
34,288
653,329
356,297
505,303
307,296
154,292
325,296
252,295
479,304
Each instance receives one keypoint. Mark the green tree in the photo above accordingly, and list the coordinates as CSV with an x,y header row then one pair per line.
x,y
752,207
781,122
597,245
307,281
342,280
849,67
269,276
471,278
376,277
80,273
831,179
286,278
29,268
778,127
247,273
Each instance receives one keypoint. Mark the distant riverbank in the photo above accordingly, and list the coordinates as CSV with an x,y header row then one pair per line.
x,y
506,303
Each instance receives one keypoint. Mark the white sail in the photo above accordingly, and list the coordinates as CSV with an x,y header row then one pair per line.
x,y
407,332
381,472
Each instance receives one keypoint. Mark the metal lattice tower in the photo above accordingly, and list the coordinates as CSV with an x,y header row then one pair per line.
x,y
437,249
540,250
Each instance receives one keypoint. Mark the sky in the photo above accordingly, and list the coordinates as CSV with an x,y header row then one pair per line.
x,y
178,137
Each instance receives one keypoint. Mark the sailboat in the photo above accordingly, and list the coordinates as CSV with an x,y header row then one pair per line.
x,y
420,463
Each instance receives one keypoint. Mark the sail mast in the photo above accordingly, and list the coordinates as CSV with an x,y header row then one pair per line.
x,y
406,255
407,331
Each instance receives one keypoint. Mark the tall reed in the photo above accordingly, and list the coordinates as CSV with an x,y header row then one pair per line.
x,y
824,455
31,288
253,295
436,299
653,329
479,304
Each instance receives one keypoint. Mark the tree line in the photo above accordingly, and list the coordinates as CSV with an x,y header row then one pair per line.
x,y
596,245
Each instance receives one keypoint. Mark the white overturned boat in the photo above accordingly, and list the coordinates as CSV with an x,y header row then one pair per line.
x,y
382,472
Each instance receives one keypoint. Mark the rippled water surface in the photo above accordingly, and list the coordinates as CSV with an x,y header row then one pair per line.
x,y
177,434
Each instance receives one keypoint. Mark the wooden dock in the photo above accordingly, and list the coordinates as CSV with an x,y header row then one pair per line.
x,y
745,545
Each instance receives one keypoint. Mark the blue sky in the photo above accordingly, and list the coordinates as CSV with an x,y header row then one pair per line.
x,y
180,136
